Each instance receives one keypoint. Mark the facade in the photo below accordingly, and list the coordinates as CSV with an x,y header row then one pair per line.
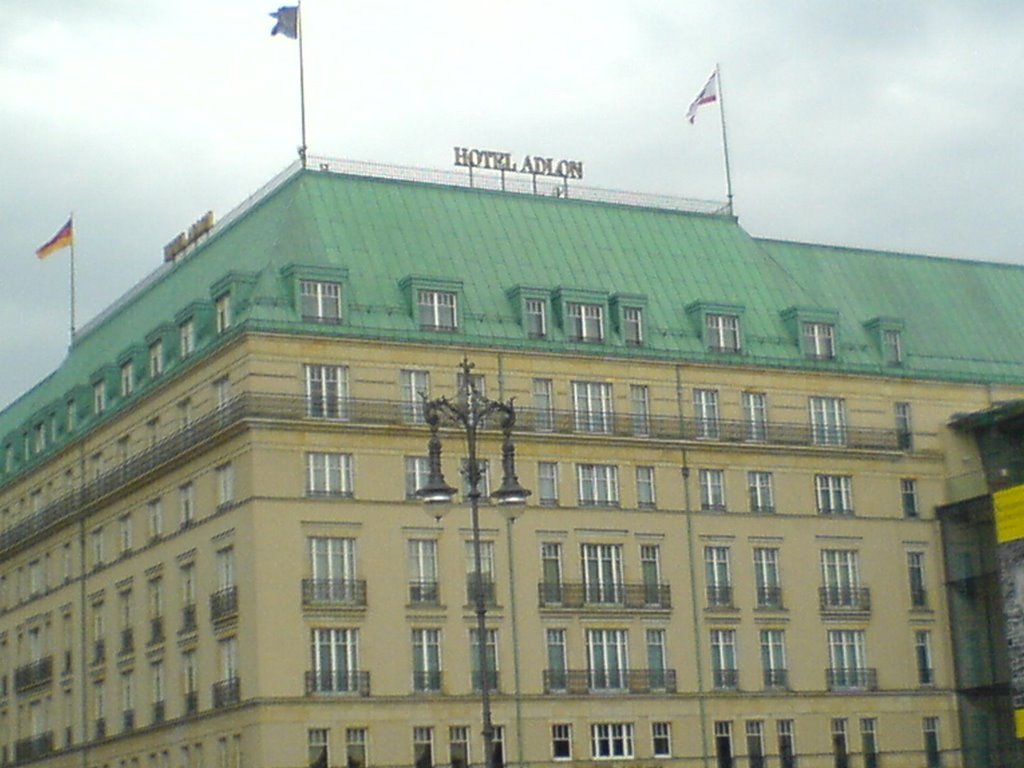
x,y
212,554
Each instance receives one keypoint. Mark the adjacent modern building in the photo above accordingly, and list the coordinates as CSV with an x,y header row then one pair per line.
x,y
212,553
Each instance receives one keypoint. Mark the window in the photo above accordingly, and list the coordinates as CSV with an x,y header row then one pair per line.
x,y
840,572
561,741
932,753
828,420
908,496
225,560
536,318
923,657
320,301
755,743
99,398
187,504
766,578
640,406
551,570
97,548
755,416
547,483
483,473
458,746
723,743
487,572
328,474
602,573
840,747
762,495
773,658
657,662
819,341
128,700
592,406
156,684
712,489
422,747
333,568
611,740
415,386
155,515
543,405
650,570
645,487
722,332
787,743
187,338
491,651
39,437
717,577
437,311
904,429
585,322
705,406
189,673
355,747
317,753
834,494
848,660
417,471
556,675
335,654
915,575
156,598
661,739
892,346
326,391
127,379
869,741
184,413
188,585
723,659
222,391
156,358
633,325
423,587
222,311
125,534
426,659
228,652
598,485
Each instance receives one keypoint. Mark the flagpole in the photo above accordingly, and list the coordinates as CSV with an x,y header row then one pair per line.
x,y
72,271
725,142
302,82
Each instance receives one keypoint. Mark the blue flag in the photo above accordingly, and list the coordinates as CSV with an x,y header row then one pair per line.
x,y
287,23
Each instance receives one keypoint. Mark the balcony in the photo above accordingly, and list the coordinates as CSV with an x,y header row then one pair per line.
x,y
493,681
156,630
191,702
332,683
33,748
159,712
128,720
725,679
295,408
226,693
427,681
598,596
424,593
851,679
99,652
769,598
127,641
334,593
487,588
224,604
719,597
844,599
587,681
33,674
776,678
189,619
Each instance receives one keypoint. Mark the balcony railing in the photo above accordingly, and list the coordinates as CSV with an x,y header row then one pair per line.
x,y
159,711
769,598
252,405
614,595
33,748
99,652
493,680
427,681
35,673
156,630
224,604
725,679
851,678
227,692
719,596
356,683
127,641
191,702
851,599
323,593
487,588
919,597
776,678
584,681
128,719
189,619
424,593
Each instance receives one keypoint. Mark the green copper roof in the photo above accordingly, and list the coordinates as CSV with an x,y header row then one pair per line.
x,y
959,320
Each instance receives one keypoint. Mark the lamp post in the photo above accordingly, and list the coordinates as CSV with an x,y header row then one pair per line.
x,y
471,412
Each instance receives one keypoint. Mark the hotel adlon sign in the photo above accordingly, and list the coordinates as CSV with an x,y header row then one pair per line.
x,y
535,165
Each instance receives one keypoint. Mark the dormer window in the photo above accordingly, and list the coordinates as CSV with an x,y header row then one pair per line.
x,y
99,397
535,312
127,379
722,332
437,310
586,322
156,358
222,311
892,346
187,337
321,301
632,325
819,340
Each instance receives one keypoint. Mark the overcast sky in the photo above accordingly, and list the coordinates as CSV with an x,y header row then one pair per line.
x,y
893,125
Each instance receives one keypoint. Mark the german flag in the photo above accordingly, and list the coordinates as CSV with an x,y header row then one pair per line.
x,y
65,237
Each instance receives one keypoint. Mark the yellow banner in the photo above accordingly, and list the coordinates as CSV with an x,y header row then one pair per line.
x,y
1009,509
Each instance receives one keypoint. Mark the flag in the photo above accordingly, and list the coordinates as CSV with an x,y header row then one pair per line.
x,y
65,236
708,95
287,23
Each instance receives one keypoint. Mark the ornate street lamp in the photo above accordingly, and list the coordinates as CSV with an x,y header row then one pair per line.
x,y
471,412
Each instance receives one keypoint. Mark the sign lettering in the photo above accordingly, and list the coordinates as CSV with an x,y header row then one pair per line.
x,y
536,165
